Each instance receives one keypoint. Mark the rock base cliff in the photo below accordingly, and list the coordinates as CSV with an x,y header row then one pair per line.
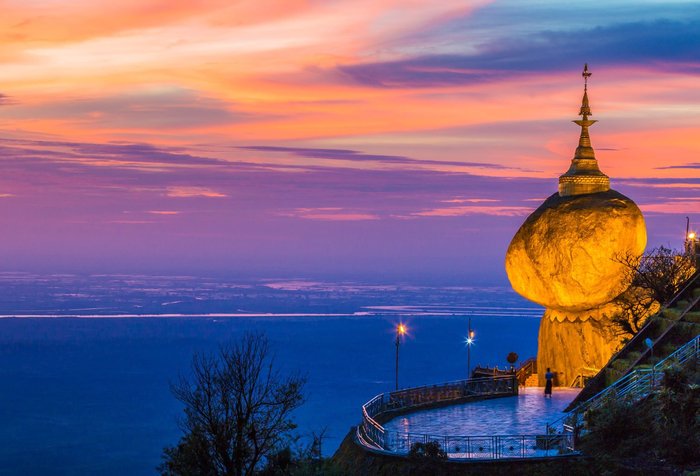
x,y
573,346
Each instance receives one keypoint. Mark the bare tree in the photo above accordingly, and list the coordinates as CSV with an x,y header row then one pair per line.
x,y
655,277
635,306
237,411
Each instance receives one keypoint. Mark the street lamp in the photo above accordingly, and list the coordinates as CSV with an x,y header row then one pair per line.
x,y
690,243
401,330
691,240
469,341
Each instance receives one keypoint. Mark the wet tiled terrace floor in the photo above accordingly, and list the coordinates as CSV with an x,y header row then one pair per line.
x,y
526,414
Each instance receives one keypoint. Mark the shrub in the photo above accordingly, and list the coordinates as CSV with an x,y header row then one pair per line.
x,y
663,426
429,450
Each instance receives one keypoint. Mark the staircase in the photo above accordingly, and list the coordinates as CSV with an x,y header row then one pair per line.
x,y
583,374
658,328
532,381
527,373
637,384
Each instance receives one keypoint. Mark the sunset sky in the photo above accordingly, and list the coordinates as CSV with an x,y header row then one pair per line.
x,y
335,139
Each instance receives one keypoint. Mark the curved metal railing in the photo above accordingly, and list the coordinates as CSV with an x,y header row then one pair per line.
x,y
373,435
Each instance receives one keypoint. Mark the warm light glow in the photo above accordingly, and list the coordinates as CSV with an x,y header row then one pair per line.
x,y
692,235
471,335
401,329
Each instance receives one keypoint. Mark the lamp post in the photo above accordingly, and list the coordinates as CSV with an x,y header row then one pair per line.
x,y
691,241
650,345
469,341
400,331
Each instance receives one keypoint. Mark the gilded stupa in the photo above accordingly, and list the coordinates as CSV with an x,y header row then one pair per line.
x,y
565,257
584,176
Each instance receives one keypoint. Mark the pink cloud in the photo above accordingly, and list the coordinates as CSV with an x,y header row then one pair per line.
x,y
163,212
496,210
673,206
329,214
193,192
470,200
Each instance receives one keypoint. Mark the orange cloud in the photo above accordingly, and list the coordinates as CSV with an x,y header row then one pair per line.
x,y
163,212
193,192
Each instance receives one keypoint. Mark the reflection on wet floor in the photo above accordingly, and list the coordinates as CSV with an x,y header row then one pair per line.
x,y
526,414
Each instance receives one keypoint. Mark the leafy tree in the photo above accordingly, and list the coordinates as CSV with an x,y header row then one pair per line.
x,y
237,411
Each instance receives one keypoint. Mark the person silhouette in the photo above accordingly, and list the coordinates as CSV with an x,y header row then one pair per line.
x,y
549,377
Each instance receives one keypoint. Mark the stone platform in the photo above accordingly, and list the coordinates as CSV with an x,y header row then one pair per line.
x,y
527,413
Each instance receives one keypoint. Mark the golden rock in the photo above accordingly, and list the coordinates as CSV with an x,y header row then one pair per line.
x,y
564,255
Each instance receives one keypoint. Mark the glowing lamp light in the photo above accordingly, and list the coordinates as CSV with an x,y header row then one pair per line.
x,y
692,235
469,341
401,329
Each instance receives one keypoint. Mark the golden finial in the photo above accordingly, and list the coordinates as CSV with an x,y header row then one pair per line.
x,y
586,74
585,108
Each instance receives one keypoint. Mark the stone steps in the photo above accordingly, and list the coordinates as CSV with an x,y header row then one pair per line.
x,y
531,381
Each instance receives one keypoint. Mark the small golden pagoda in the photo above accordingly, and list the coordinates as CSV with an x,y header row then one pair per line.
x,y
583,175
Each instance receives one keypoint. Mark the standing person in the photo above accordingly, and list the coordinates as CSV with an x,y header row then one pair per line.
x,y
549,376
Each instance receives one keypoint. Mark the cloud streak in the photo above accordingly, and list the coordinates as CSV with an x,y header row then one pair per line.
x,y
666,44
355,156
692,165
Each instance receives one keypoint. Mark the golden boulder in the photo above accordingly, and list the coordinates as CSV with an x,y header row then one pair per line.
x,y
564,255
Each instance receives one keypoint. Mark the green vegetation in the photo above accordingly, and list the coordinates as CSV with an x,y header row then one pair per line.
x,y
427,451
425,458
659,434
668,329
307,462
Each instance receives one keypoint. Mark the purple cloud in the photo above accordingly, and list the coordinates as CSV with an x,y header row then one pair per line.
x,y
664,43
356,156
691,165
171,109
70,203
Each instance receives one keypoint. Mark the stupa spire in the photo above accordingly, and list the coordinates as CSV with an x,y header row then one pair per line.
x,y
585,108
583,175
